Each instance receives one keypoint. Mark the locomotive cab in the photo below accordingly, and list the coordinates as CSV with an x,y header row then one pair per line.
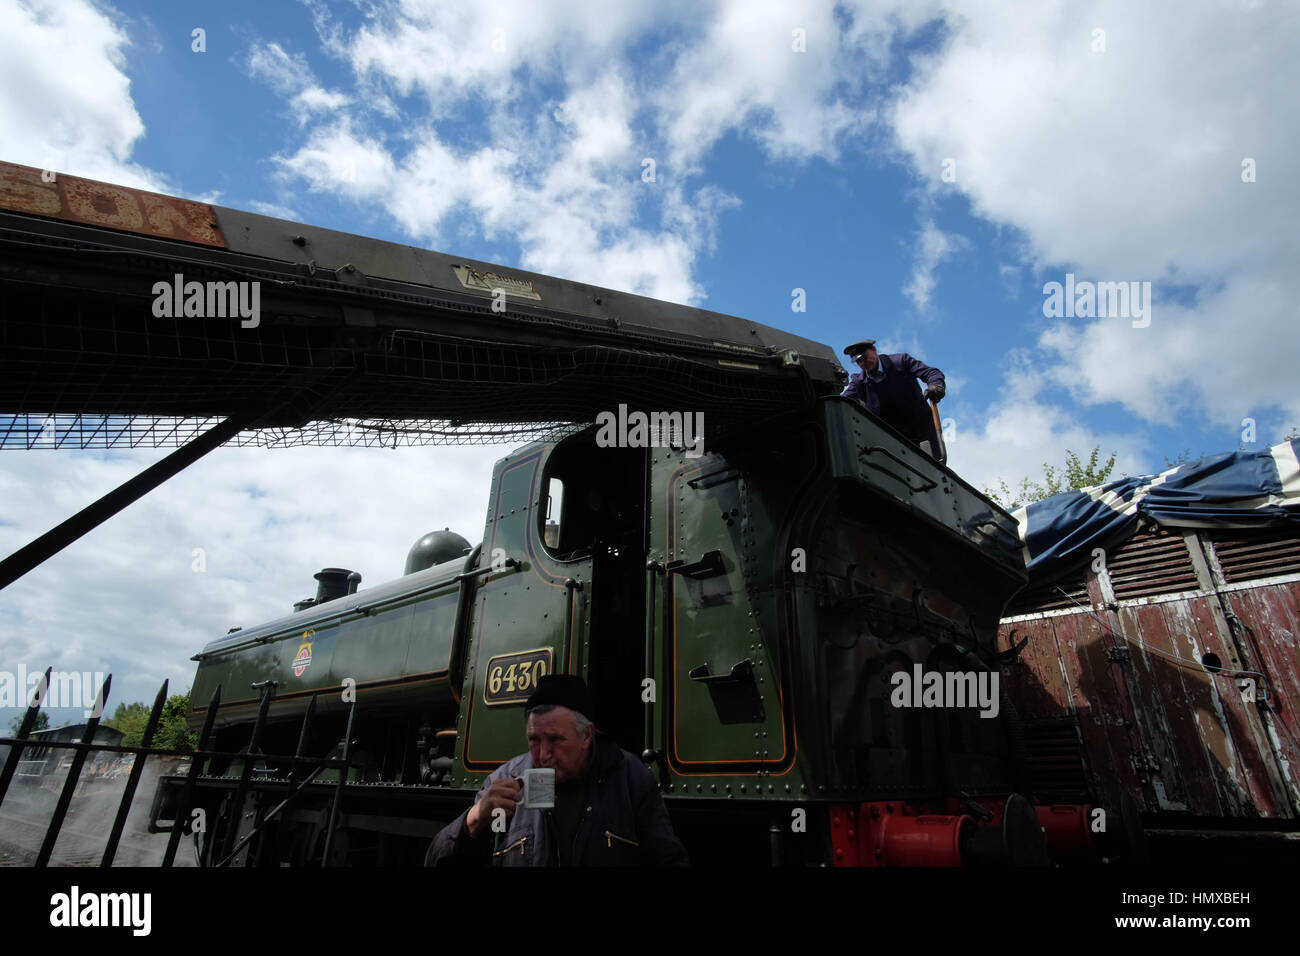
x,y
573,516
598,501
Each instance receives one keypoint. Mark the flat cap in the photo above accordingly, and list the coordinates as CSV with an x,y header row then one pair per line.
x,y
857,348
561,690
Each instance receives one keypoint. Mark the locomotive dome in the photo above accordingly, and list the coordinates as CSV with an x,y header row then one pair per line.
x,y
435,548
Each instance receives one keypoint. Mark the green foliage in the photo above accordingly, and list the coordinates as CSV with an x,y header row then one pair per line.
x,y
172,732
42,723
1074,475
130,719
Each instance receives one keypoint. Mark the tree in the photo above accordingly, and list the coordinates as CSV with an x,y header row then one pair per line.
x,y
130,719
1074,475
172,733
42,723
173,728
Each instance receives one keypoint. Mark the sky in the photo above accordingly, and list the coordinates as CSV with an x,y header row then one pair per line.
x,y
921,170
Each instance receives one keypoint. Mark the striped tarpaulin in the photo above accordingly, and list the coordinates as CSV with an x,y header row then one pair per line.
x,y
1238,489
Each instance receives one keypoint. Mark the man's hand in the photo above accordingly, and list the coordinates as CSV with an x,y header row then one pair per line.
x,y
505,794
934,395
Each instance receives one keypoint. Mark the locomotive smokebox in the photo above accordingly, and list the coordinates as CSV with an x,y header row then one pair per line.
x,y
335,583
435,547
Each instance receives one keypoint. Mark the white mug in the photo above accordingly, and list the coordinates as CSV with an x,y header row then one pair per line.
x,y
539,788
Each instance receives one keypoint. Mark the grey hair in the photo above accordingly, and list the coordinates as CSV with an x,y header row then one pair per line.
x,y
580,723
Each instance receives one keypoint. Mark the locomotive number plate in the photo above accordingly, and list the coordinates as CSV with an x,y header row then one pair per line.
x,y
511,678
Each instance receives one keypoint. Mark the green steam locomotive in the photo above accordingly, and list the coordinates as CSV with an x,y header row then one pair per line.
x,y
746,614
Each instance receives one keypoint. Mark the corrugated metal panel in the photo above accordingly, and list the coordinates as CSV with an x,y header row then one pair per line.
x,y
1245,558
1048,597
1150,564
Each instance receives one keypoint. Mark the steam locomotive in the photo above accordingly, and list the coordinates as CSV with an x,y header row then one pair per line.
x,y
742,617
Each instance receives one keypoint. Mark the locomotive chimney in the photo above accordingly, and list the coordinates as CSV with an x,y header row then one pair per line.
x,y
335,583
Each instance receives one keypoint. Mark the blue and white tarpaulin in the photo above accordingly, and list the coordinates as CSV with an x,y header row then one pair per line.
x,y
1237,489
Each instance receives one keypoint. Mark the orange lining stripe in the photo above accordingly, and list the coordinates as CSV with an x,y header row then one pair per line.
x,y
367,685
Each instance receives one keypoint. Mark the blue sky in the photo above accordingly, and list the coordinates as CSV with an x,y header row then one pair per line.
x,y
1104,140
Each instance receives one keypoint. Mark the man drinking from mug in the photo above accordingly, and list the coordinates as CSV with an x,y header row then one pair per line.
x,y
607,808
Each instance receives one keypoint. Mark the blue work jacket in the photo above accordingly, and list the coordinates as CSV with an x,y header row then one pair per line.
x,y
625,822
897,398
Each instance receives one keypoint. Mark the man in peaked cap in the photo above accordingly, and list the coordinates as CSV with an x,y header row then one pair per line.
x,y
608,811
887,388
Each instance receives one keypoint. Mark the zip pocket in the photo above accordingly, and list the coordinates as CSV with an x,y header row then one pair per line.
x,y
610,837
521,843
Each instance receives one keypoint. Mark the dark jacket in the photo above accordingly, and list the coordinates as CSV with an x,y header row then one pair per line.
x,y
898,399
625,822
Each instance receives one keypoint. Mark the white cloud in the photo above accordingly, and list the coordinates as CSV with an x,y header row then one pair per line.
x,y
560,118
284,73
125,598
448,51
317,100
1021,431
569,198
1126,165
291,77
334,158
67,103
744,74
933,247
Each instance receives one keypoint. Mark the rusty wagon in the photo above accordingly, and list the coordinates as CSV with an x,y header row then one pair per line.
x,y
1155,658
